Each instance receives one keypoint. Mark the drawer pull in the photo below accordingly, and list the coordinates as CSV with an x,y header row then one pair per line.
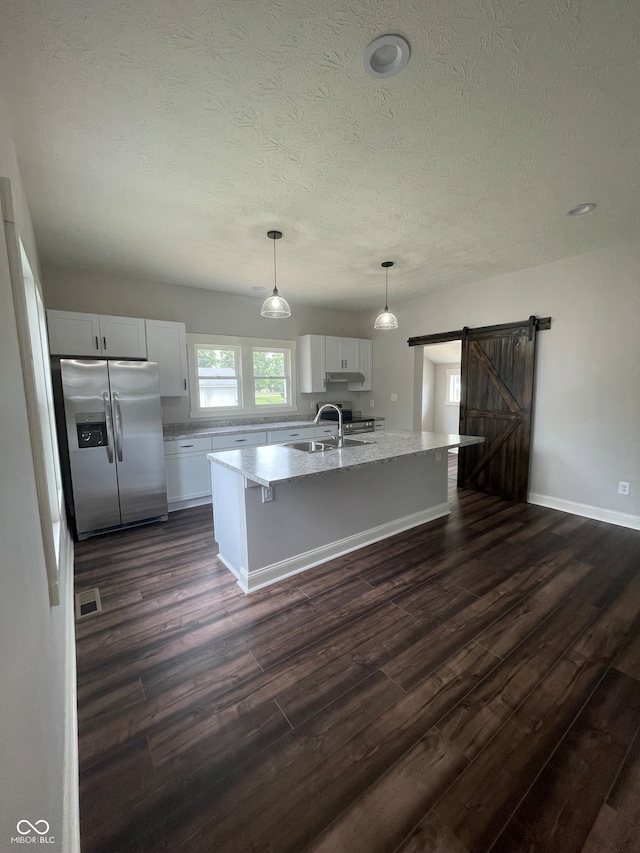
x,y
240,439
293,434
186,445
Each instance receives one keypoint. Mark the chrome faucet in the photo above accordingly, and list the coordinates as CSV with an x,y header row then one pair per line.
x,y
340,428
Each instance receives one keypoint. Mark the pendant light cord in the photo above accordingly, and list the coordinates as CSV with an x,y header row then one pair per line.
x,y
386,287
275,274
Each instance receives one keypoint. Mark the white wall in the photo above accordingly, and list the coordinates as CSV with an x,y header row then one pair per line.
x,y
203,311
446,415
428,402
34,670
587,401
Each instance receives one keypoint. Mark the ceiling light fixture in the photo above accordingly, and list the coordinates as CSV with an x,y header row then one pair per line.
x,y
275,306
386,320
581,209
387,55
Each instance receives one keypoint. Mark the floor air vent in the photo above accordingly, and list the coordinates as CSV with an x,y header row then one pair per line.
x,y
88,603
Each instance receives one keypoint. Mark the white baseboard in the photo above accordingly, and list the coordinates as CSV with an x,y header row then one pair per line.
x,y
71,794
301,562
622,519
175,505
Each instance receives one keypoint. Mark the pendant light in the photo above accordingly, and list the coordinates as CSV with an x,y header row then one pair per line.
x,y
275,306
386,320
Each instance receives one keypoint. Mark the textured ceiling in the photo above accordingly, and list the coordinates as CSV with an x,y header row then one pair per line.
x,y
163,138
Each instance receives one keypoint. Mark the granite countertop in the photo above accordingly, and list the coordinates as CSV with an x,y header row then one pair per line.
x,y
178,432
277,463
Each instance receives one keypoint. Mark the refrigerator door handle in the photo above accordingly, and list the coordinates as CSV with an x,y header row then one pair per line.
x,y
107,417
118,425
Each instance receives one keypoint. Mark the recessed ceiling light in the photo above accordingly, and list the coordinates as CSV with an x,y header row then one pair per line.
x,y
387,55
258,289
581,209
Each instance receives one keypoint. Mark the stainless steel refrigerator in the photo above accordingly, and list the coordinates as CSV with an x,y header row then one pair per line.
x,y
110,427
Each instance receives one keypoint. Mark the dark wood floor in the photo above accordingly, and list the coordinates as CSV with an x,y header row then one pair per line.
x,y
469,685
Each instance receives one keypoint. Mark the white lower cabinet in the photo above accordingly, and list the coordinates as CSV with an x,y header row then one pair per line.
x,y
324,431
188,469
188,476
280,436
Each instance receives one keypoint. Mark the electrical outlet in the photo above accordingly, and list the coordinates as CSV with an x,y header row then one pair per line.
x,y
623,488
267,494
371,403
394,398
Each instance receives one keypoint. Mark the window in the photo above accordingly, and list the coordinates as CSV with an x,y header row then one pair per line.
x,y
219,378
453,386
240,375
271,374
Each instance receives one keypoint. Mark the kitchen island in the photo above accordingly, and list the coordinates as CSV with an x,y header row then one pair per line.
x,y
280,510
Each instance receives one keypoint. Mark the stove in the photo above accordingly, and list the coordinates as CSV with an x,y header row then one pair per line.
x,y
350,423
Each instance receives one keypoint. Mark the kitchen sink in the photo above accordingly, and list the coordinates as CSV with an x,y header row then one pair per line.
x,y
326,444
311,446
348,442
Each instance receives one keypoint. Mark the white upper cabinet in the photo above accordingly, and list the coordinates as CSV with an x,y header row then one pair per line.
x,y
341,355
167,344
365,361
76,334
313,375
319,355
123,337
71,333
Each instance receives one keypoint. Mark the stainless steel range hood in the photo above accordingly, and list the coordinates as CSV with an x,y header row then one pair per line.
x,y
343,376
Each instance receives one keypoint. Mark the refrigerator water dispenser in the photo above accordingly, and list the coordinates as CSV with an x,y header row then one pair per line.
x,y
92,430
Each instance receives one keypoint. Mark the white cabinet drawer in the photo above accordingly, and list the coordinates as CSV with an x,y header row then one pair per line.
x,y
321,431
245,439
187,445
280,436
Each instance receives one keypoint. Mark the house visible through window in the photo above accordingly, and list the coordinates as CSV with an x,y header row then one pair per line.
x,y
453,386
243,375
218,377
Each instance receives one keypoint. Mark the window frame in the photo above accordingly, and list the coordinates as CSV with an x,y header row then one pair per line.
x,y
246,378
451,372
237,376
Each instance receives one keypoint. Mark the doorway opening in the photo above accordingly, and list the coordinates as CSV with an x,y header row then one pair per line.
x,y
440,400
496,402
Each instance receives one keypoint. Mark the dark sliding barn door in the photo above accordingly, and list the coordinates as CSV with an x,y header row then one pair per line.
x,y
496,402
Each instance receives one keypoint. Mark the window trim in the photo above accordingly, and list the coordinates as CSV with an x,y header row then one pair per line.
x,y
34,355
247,405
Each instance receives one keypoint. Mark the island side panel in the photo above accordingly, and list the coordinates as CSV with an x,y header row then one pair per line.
x,y
314,519
229,519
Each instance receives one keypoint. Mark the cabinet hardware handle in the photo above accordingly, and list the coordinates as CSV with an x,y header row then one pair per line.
x,y
294,434
97,343
186,445
104,342
185,384
240,439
